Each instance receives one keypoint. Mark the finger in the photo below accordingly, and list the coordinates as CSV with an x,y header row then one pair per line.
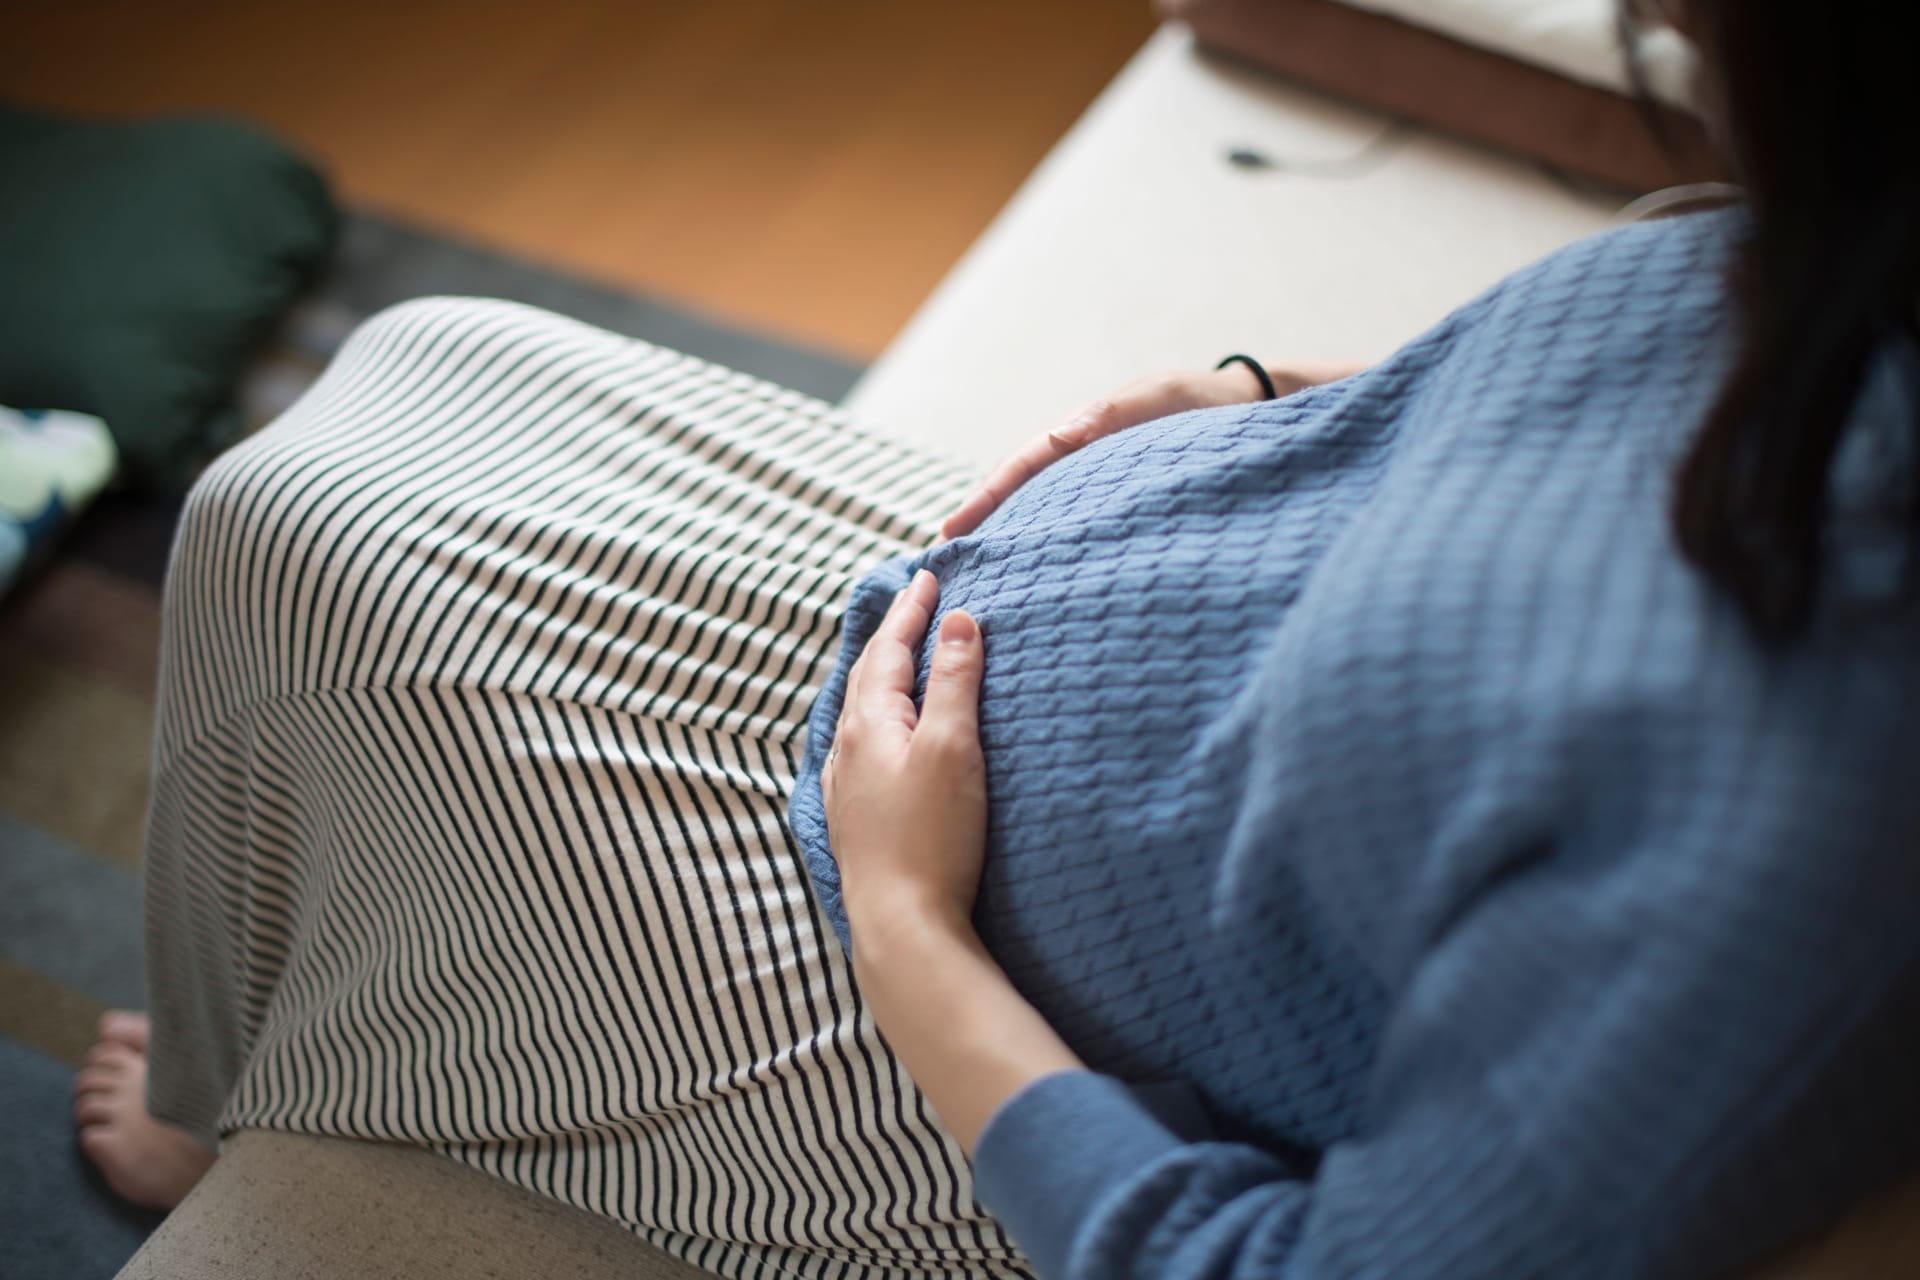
x,y
1129,407
1026,462
854,673
885,691
852,693
1090,422
951,711
912,609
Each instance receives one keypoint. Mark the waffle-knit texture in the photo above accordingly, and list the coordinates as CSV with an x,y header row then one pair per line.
x,y
1370,764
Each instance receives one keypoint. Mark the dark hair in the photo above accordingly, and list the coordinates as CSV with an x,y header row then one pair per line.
x,y
1807,99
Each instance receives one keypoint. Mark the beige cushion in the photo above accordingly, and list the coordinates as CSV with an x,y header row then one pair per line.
x,y
286,1207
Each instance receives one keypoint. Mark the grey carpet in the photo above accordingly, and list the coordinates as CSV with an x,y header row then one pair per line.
x,y
70,916
56,1218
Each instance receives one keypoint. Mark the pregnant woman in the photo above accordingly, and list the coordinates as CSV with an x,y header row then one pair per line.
x,y
1453,820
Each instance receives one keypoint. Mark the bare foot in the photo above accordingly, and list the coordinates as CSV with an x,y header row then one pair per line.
x,y
151,1164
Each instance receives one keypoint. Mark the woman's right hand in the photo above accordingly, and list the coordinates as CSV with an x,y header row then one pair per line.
x,y
1158,395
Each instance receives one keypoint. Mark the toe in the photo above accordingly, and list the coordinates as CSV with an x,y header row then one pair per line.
x,y
95,1080
97,1141
125,1026
107,1053
93,1109
111,1053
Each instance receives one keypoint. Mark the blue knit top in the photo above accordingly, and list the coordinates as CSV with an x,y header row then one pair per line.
x,y
1437,876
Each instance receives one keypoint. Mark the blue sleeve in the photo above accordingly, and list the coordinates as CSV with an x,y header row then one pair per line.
x,y
1089,1203
1669,1042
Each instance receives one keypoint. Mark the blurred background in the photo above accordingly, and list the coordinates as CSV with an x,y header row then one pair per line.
x,y
806,167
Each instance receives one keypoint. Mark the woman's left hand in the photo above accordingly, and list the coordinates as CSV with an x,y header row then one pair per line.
x,y
906,790
906,796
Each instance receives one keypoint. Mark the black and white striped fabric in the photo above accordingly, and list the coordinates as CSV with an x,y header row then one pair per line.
x,y
483,686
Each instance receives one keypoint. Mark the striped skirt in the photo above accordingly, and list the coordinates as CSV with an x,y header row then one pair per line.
x,y
483,686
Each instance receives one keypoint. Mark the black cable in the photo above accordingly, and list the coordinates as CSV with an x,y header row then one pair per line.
x,y
1358,165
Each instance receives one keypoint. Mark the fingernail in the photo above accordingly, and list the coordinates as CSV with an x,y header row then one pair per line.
x,y
958,628
924,573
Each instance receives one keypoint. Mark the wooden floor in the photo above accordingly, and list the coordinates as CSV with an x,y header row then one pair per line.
x,y
808,167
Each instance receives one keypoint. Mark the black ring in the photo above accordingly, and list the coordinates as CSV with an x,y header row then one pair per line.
x,y
1259,371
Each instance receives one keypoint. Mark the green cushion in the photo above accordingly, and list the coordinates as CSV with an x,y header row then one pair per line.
x,y
144,262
